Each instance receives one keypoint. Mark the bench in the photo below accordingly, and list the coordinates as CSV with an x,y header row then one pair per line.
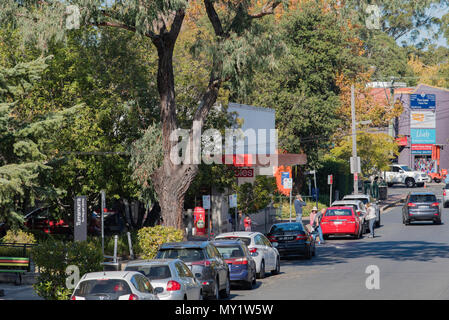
x,y
17,265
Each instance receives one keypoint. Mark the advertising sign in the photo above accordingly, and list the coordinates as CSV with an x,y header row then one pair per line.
x,y
422,101
423,136
287,183
422,149
199,220
284,175
422,119
244,173
80,232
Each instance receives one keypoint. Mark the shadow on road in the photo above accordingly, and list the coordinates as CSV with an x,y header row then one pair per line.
x,y
390,250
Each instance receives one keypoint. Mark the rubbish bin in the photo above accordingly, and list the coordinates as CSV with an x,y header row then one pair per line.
x,y
383,192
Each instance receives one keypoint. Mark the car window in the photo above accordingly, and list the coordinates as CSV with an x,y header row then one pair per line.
x,y
423,198
245,240
396,169
187,271
141,284
338,212
184,254
210,252
102,286
217,253
447,186
287,227
152,272
180,270
228,252
266,241
258,240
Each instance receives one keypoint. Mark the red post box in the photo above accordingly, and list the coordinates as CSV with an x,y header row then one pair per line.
x,y
199,220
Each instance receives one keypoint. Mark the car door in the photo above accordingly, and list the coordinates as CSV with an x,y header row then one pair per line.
x,y
224,268
271,252
194,288
261,245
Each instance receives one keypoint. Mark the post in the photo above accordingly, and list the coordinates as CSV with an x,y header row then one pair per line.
x,y
330,196
103,206
290,204
115,248
354,141
316,190
236,223
189,222
131,253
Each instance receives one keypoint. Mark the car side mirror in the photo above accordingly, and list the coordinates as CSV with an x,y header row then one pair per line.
x,y
158,290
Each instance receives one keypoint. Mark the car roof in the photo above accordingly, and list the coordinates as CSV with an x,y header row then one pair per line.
x,y
346,202
417,193
152,262
238,234
339,207
109,275
184,244
286,223
355,196
227,242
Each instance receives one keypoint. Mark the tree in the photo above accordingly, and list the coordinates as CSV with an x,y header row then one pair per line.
x,y
237,44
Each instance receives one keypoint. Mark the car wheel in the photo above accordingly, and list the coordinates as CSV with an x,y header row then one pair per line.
x,y
261,273
226,291
278,267
249,285
308,255
410,182
216,294
437,180
437,221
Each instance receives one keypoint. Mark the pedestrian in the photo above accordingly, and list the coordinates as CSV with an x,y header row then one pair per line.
x,y
247,222
299,203
371,217
240,221
315,222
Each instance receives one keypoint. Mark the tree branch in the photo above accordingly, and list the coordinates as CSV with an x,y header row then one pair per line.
x,y
266,10
214,18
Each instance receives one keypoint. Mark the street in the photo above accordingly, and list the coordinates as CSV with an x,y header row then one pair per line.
x,y
412,260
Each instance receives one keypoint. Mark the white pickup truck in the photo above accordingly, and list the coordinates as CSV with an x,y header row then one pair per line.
x,y
402,174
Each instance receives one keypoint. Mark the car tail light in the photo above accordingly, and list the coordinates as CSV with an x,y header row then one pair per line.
x,y
301,237
205,263
350,221
444,192
435,204
73,298
173,286
411,204
132,296
240,261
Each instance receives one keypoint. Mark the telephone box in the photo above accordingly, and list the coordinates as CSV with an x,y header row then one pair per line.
x,y
199,221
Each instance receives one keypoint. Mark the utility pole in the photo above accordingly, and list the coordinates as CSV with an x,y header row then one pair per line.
x,y
354,142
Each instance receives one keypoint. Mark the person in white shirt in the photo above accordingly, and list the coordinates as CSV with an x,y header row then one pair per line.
x,y
371,217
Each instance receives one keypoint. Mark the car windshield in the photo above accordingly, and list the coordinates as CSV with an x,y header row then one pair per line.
x,y
185,254
152,272
113,288
231,251
364,200
423,198
287,227
245,240
338,212
406,168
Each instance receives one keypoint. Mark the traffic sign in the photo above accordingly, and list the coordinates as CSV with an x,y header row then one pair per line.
x,y
287,183
330,179
206,202
233,201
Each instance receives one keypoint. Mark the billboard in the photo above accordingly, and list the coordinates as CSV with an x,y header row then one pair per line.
x,y
422,149
422,119
422,101
423,136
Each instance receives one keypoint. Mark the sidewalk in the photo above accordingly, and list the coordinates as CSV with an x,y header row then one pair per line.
x,y
13,292
392,201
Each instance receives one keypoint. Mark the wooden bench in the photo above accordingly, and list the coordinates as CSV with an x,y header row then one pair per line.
x,y
17,265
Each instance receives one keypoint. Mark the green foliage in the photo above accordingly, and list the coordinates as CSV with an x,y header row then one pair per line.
x,y
53,257
255,197
18,236
150,238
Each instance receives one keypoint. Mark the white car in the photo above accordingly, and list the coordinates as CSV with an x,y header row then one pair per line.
x,y
366,199
171,278
114,285
264,254
402,174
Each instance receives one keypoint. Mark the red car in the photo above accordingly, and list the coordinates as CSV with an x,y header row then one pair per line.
x,y
341,221
38,219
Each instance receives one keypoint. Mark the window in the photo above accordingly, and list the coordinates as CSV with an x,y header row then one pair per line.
x,y
185,254
287,227
142,284
229,252
180,270
187,271
155,272
245,240
103,286
423,198
266,241
258,240
338,212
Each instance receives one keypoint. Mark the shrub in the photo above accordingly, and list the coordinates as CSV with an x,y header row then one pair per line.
x,y
18,236
150,238
53,257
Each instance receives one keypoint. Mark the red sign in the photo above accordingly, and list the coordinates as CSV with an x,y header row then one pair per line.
x,y
199,220
402,142
330,179
244,173
422,147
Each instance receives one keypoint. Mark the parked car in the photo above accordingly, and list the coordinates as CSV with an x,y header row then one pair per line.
x,y
366,199
39,219
242,266
421,206
205,262
446,196
292,239
171,278
341,220
402,174
262,251
114,285
359,208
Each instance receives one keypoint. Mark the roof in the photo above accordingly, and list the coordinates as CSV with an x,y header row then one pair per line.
x,y
108,275
420,193
237,234
356,196
226,242
339,207
185,244
151,261
346,201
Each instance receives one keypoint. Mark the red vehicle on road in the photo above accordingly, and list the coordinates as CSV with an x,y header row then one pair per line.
x,y
340,221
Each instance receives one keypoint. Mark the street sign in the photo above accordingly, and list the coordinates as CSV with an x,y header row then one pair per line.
x,y
355,165
206,202
233,201
422,101
80,209
287,183
330,179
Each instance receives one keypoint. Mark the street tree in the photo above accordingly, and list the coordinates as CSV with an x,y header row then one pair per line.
x,y
236,46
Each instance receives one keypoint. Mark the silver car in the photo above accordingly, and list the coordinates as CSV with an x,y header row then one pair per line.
x,y
114,285
446,196
171,278
366,199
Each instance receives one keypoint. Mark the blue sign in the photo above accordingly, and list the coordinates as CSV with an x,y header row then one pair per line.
x,y
422,152
423,136
284,175
422,101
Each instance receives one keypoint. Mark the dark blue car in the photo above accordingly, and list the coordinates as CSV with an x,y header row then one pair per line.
x,y
242,267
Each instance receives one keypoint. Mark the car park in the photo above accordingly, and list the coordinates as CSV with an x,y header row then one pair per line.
x,y
114,285
341,220
292,239
359,208
446,196
262,251
366,199
242,267
421,206
171,278
205,262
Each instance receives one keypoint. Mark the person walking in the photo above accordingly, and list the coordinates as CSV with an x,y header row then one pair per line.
x,y
371,217
315,221
299,203
247,222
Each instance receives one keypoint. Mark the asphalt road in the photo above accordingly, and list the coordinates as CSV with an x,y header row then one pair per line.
x,y
412,263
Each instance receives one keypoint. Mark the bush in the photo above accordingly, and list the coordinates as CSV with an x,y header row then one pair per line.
x,y
150,238
18,236
53,257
